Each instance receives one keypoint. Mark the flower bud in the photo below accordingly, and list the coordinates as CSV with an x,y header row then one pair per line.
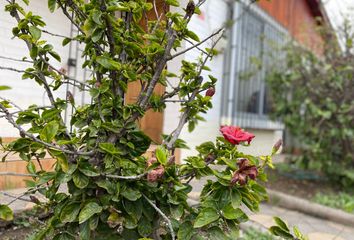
x,y
277,146
210,92
190,8
34,199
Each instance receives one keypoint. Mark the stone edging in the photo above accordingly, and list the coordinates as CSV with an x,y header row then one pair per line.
x,y
310,208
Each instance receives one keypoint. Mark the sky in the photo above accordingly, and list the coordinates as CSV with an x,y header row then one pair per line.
x,y
337,9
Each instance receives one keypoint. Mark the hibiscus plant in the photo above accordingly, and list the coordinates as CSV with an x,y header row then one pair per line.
x,y
112,189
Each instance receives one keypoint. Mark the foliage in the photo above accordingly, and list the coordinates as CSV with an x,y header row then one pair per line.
x,y
281,229
114,190
342,200
251,234
314,96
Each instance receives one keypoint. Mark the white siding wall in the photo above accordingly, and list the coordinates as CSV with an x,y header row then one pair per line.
x,y
27,92
214,15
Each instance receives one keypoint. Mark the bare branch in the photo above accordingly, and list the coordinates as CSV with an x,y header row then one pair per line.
x,y
198,44
173,235
15,197
16,60
137,177
34,74
184,117
55,35
17,174
31,136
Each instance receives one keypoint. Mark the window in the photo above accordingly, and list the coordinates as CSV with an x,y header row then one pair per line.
x,y
252,43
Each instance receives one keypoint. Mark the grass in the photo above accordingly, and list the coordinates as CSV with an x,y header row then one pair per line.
x,y
341,200
253,234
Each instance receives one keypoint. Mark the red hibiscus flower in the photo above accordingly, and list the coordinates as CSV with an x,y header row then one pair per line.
x,y
235,135
245,171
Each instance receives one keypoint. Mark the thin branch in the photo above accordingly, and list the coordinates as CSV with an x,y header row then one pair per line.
x,y
197,47
55,35
198,44
155,9
31,136
24,194
137,177
34,74
16,60
173,235
12,103
175,101
17,174
185,115
15,197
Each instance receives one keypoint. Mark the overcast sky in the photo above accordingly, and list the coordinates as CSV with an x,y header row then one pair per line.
x,y
337,9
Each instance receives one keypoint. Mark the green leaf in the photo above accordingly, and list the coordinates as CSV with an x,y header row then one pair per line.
x,y
66,40
62,159
35,32
108,63
70,212
277,231
51,5
236,198
34,52
80,180
109,148
2,87
205,217
230,213
281,224
174,3
31,168
88,211
88,170
193,36
85,231
145,227
161,155
216,233
134,209
55,55
131,194
49,131
185,231
6,213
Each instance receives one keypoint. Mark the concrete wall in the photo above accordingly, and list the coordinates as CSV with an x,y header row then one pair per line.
x,y
27,92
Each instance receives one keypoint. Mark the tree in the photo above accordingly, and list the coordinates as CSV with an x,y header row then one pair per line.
x,y
114,190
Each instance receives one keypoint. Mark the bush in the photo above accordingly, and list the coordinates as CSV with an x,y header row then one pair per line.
x,y
314,96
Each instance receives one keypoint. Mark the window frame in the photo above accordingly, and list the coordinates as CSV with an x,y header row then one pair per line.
x,y
230,114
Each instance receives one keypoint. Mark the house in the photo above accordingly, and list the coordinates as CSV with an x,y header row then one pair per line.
x,y
236,102
256,30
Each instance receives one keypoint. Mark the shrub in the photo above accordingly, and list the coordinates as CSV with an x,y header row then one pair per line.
x,y
314,96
